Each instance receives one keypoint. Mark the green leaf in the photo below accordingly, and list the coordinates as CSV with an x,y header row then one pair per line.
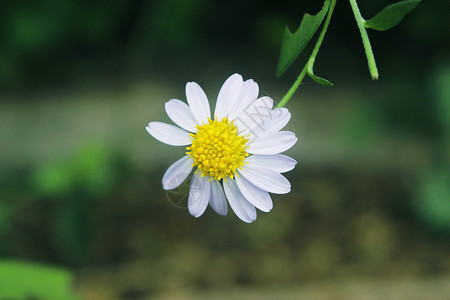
x,y
22,280
432,199
294,43
391,15
317,79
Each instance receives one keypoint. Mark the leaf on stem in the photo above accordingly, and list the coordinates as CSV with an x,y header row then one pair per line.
x,y
294,43
317,79
391,15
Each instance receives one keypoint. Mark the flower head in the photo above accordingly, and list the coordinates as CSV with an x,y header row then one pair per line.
x,y
235,154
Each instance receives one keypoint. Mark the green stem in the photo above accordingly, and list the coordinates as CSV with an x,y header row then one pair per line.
x,y
294,87
311,59
365,39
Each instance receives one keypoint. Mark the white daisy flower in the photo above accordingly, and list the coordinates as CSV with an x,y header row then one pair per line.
x,y
236,154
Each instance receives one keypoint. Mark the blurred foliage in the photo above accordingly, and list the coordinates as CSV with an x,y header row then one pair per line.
x,y
133,241
89,170
40,40
433,202
441,96
74,188
23,280
433,195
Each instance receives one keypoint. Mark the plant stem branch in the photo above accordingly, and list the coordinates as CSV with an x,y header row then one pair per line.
x,y
365,39
311,59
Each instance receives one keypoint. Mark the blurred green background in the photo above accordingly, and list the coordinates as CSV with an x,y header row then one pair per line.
x,y
82,210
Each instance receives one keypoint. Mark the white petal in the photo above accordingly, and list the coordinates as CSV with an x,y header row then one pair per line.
x,y
241,207
278,162
248,95
217,200
180,113
199,195
177,173
273,144
257,109
276,120
266,179
198,102
256,196
228,96
250,117
169,134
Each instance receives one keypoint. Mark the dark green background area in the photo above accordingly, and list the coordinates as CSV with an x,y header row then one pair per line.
x,y
80,178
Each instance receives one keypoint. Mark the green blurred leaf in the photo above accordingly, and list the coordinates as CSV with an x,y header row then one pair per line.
x,y
23,280
54,178
74,228
317,79
391,15
93,166
90,168
294,43
433,203
441,89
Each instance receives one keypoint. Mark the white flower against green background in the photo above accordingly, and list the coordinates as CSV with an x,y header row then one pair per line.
x,y
235,153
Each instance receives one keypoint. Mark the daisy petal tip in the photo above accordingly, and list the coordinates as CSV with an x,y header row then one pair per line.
x,y
168,134
222,213
236,76
168,187
228,98
198,215
198,195
194,212
256,196
266,179
287,189
243,209
177,173
266,210
247,220
149,129
218,201
198,102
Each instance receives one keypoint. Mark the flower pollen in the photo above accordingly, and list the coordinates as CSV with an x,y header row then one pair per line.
x,y
217,149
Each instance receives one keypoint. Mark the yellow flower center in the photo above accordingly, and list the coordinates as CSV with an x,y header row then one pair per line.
x,y
217,149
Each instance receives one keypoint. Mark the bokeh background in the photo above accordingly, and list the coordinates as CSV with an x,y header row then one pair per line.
x,y
82,210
